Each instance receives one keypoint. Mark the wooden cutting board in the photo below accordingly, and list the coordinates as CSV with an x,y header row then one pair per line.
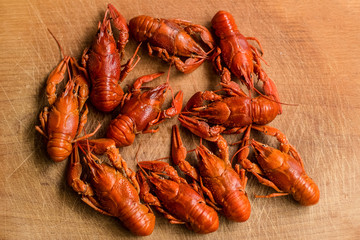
x,y
313,53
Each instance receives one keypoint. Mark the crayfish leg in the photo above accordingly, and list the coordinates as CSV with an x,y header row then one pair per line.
x,y
161,52
55,77
175,109
107,146
83,120
145,79
80,77
95,205
85,57
190,64
271,131
43,116
278,194
178,155
120,24
201,128
145,189
265,181
231,87
130,65
241,173
88,135
269,86
216,60
204,33
257,41
163,168
210,200
151,199
74,175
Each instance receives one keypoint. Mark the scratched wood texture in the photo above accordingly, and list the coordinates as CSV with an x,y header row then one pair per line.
x,y
313,53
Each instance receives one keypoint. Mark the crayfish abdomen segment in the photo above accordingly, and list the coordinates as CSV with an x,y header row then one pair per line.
x,y
224,24
236,206
201,217
264,110
141,222
143,27
106,95
59,146
119,198
130,211
206,219
305,191
187,205
158,32
121,130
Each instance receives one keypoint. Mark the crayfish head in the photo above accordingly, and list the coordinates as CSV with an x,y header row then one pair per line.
x,y
155,96
210,164
186,46
268,157
261,149
164,188
104,42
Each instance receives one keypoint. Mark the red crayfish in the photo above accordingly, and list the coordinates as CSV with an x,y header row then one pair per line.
x,y
283,169
110,190
175,198
141,110
240,57
103,62
61,124
172,40
220,182
228,113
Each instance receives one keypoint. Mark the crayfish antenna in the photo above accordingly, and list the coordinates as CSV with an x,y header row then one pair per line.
x,y
168,82
273,100
61,49
168,75
70,85
207,54
87,153
242,148
105,16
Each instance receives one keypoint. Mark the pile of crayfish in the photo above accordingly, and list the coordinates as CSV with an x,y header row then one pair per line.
x,y
195,195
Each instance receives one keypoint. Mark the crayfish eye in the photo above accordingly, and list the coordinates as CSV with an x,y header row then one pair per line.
x,y
74,92
164,91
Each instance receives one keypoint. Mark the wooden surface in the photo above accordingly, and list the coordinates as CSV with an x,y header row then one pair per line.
x,y
313,51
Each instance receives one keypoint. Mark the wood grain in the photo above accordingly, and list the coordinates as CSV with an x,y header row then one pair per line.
x,y
313,51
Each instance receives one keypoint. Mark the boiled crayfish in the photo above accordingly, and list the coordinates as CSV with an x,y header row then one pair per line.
x,y
175,198
208,114
142,110
62,124
103,62
172,40
283,169
239,56
224,186
110,190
